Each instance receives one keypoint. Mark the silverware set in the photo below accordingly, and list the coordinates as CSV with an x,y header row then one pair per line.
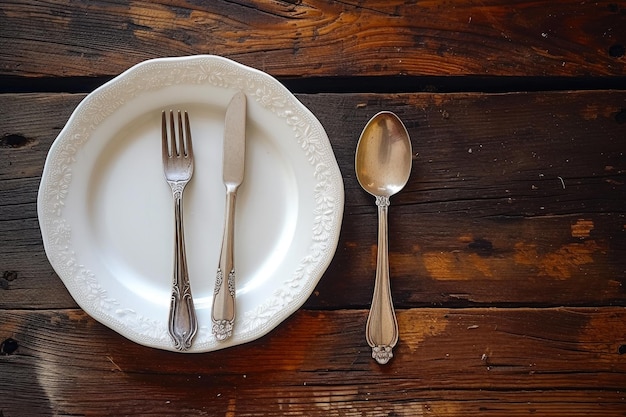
x,y
177,153
383,161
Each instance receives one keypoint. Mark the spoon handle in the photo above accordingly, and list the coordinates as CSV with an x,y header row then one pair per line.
x,y
382,326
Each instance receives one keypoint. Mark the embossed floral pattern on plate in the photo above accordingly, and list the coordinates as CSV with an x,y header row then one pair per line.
x,y
284,127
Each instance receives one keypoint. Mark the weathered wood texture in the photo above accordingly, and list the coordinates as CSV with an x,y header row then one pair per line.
x,y
508,245
514,200
319,38
476,362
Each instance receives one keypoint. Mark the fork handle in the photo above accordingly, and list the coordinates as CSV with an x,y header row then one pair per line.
x,y
223,311
183,324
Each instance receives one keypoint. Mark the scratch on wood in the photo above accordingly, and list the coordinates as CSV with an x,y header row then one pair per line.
x,y
114,364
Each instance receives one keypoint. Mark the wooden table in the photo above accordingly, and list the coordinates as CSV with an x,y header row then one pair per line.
x,y
508,245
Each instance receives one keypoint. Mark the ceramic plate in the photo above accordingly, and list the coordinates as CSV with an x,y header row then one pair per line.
x,y
106,211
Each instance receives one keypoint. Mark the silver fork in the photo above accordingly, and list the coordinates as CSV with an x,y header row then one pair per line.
x,y
177,153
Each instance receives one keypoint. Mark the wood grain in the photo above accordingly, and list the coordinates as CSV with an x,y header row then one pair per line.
x,y
507,247
449,362
515,208
514,185
319,38
514,200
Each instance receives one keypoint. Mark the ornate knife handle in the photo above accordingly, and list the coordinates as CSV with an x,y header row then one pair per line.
x,y
382,326
183,324
223,311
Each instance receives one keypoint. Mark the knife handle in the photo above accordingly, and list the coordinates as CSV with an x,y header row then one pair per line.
x,y
223,311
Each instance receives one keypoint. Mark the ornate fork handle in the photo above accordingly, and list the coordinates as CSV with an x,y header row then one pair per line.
x,y
183,324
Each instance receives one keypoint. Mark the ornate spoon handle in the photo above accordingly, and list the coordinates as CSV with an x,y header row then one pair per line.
x,y
382,326
183,324
223,312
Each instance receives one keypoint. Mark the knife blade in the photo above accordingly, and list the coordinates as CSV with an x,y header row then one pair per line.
x,y
235,141
223,309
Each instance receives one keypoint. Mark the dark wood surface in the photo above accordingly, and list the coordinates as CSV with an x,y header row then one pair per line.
x,y
319,38
508,245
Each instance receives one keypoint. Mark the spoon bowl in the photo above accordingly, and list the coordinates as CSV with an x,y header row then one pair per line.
x,y
383,164
383,155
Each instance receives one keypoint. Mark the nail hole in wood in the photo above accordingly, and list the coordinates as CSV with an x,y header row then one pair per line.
x,y
8,346
6,278
617,51
9,275
13,141
621,349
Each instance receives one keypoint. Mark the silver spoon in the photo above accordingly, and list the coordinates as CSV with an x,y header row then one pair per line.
x,y
383,165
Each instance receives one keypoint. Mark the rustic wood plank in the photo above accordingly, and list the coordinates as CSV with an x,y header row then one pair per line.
x,y
533,215
516,206
29,124
449,362
319,38
512,199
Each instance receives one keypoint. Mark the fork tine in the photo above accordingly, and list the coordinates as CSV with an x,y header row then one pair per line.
x,y
180,139
173,144
188,141
164,146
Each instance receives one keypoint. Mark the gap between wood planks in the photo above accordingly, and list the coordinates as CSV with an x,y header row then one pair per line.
x,y
364,84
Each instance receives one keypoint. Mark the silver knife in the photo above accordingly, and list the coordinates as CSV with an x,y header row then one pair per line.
x,y
223,311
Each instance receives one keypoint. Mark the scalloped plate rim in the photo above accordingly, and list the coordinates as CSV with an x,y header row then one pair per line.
x,y
83,284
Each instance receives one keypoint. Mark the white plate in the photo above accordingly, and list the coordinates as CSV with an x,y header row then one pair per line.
x,y
106,212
